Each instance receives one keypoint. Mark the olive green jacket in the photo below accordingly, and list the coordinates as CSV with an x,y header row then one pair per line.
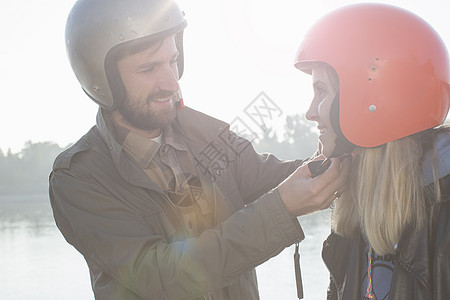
x,y
132,237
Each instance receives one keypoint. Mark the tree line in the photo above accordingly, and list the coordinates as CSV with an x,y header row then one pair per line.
x,y
27,171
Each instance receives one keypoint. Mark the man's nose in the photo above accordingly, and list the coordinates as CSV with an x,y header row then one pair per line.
x,y
169,80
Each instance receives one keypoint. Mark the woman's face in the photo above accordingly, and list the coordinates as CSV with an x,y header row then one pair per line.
x,y
319,109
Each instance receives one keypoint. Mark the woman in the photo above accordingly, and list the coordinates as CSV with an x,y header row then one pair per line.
x,y
381,82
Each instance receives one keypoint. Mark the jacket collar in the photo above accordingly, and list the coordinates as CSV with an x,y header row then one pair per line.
x,y
104,125
196,128
442,148
130,169
139,148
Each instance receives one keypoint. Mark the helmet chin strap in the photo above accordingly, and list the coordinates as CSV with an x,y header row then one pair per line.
x,y
343,146
179,103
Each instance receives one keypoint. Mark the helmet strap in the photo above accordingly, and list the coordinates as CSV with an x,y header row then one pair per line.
x,y
343,146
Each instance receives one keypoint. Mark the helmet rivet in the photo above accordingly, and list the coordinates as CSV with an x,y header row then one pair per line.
x,y
372,108
96,88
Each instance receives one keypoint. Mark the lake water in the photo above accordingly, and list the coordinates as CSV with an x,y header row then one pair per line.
x,y
38,264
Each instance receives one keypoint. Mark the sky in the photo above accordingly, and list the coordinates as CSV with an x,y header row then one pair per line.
x,y
236,52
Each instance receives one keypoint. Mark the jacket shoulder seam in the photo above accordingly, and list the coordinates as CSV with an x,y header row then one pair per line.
x,y
64,159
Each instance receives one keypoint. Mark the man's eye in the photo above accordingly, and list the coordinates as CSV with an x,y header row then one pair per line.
x,y
147,70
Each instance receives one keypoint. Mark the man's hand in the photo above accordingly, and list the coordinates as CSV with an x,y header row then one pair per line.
x,y
303,194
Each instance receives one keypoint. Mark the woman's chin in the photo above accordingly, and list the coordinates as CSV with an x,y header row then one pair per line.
x,y
328,144
327,151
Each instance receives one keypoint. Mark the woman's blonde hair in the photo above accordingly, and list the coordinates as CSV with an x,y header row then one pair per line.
x,y
385,192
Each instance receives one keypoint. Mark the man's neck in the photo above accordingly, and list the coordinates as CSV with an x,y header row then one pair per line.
x,y
117,117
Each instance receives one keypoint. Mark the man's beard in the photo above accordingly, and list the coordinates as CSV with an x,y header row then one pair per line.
x,y
140,116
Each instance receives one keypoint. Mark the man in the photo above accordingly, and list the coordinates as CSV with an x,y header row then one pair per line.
x,y
162,201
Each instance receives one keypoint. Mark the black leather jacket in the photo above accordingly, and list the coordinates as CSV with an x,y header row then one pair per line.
x,y
421,263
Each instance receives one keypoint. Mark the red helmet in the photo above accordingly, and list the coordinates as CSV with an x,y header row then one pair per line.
x,y
393,68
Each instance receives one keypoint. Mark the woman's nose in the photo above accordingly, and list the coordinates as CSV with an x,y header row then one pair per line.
x,y
311,113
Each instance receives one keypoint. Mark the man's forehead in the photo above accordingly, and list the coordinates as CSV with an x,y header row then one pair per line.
x,y
166,46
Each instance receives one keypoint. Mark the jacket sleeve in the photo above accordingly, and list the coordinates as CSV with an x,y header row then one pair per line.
x,y
255,174
139,261
258,173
